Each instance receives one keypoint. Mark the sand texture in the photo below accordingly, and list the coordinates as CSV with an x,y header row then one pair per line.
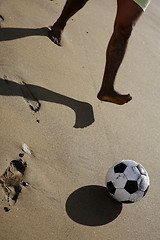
x,y
57,140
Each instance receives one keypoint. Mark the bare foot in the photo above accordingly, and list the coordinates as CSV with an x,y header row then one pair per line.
x,y
54,34
114,97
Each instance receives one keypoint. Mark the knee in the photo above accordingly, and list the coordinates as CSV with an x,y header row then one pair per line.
x,y
123,30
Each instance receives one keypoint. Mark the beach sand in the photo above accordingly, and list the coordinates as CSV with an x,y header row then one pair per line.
x,y
48,102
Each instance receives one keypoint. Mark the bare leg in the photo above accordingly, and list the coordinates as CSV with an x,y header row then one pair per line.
x,y
128,13
70,8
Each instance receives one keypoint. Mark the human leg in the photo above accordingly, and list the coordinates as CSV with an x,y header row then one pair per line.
x,y
128,13
70,8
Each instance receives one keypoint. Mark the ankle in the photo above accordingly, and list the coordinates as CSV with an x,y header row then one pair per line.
x,y
107,89
59,24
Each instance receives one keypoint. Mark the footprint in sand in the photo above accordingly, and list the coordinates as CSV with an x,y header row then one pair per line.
x,y
11,182
30,98
27,94
1,19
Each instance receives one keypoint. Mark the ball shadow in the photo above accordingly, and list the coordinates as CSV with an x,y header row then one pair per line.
x,y
92,206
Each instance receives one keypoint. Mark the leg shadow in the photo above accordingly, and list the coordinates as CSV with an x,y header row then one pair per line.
x,y
92,206
84,115
8,34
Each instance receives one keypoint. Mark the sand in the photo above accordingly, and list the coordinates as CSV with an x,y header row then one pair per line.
x,y
48,102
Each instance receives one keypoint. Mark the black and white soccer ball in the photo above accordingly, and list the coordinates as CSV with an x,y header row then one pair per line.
x,y
127,181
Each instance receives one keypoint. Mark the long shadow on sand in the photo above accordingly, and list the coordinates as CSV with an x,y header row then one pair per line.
x,y
7,34
83,111
92,206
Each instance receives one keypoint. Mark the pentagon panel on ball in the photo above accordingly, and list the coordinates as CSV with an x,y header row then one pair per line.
x,y
127,181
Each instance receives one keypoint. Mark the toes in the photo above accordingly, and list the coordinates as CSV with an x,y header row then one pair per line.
x,y
129,98
54,39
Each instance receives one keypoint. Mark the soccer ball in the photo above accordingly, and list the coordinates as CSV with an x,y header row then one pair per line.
x,y
127,181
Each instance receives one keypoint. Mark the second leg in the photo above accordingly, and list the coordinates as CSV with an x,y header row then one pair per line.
x,y
128,13
70,8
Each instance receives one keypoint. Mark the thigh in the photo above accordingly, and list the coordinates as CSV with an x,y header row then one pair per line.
x,y
128,12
